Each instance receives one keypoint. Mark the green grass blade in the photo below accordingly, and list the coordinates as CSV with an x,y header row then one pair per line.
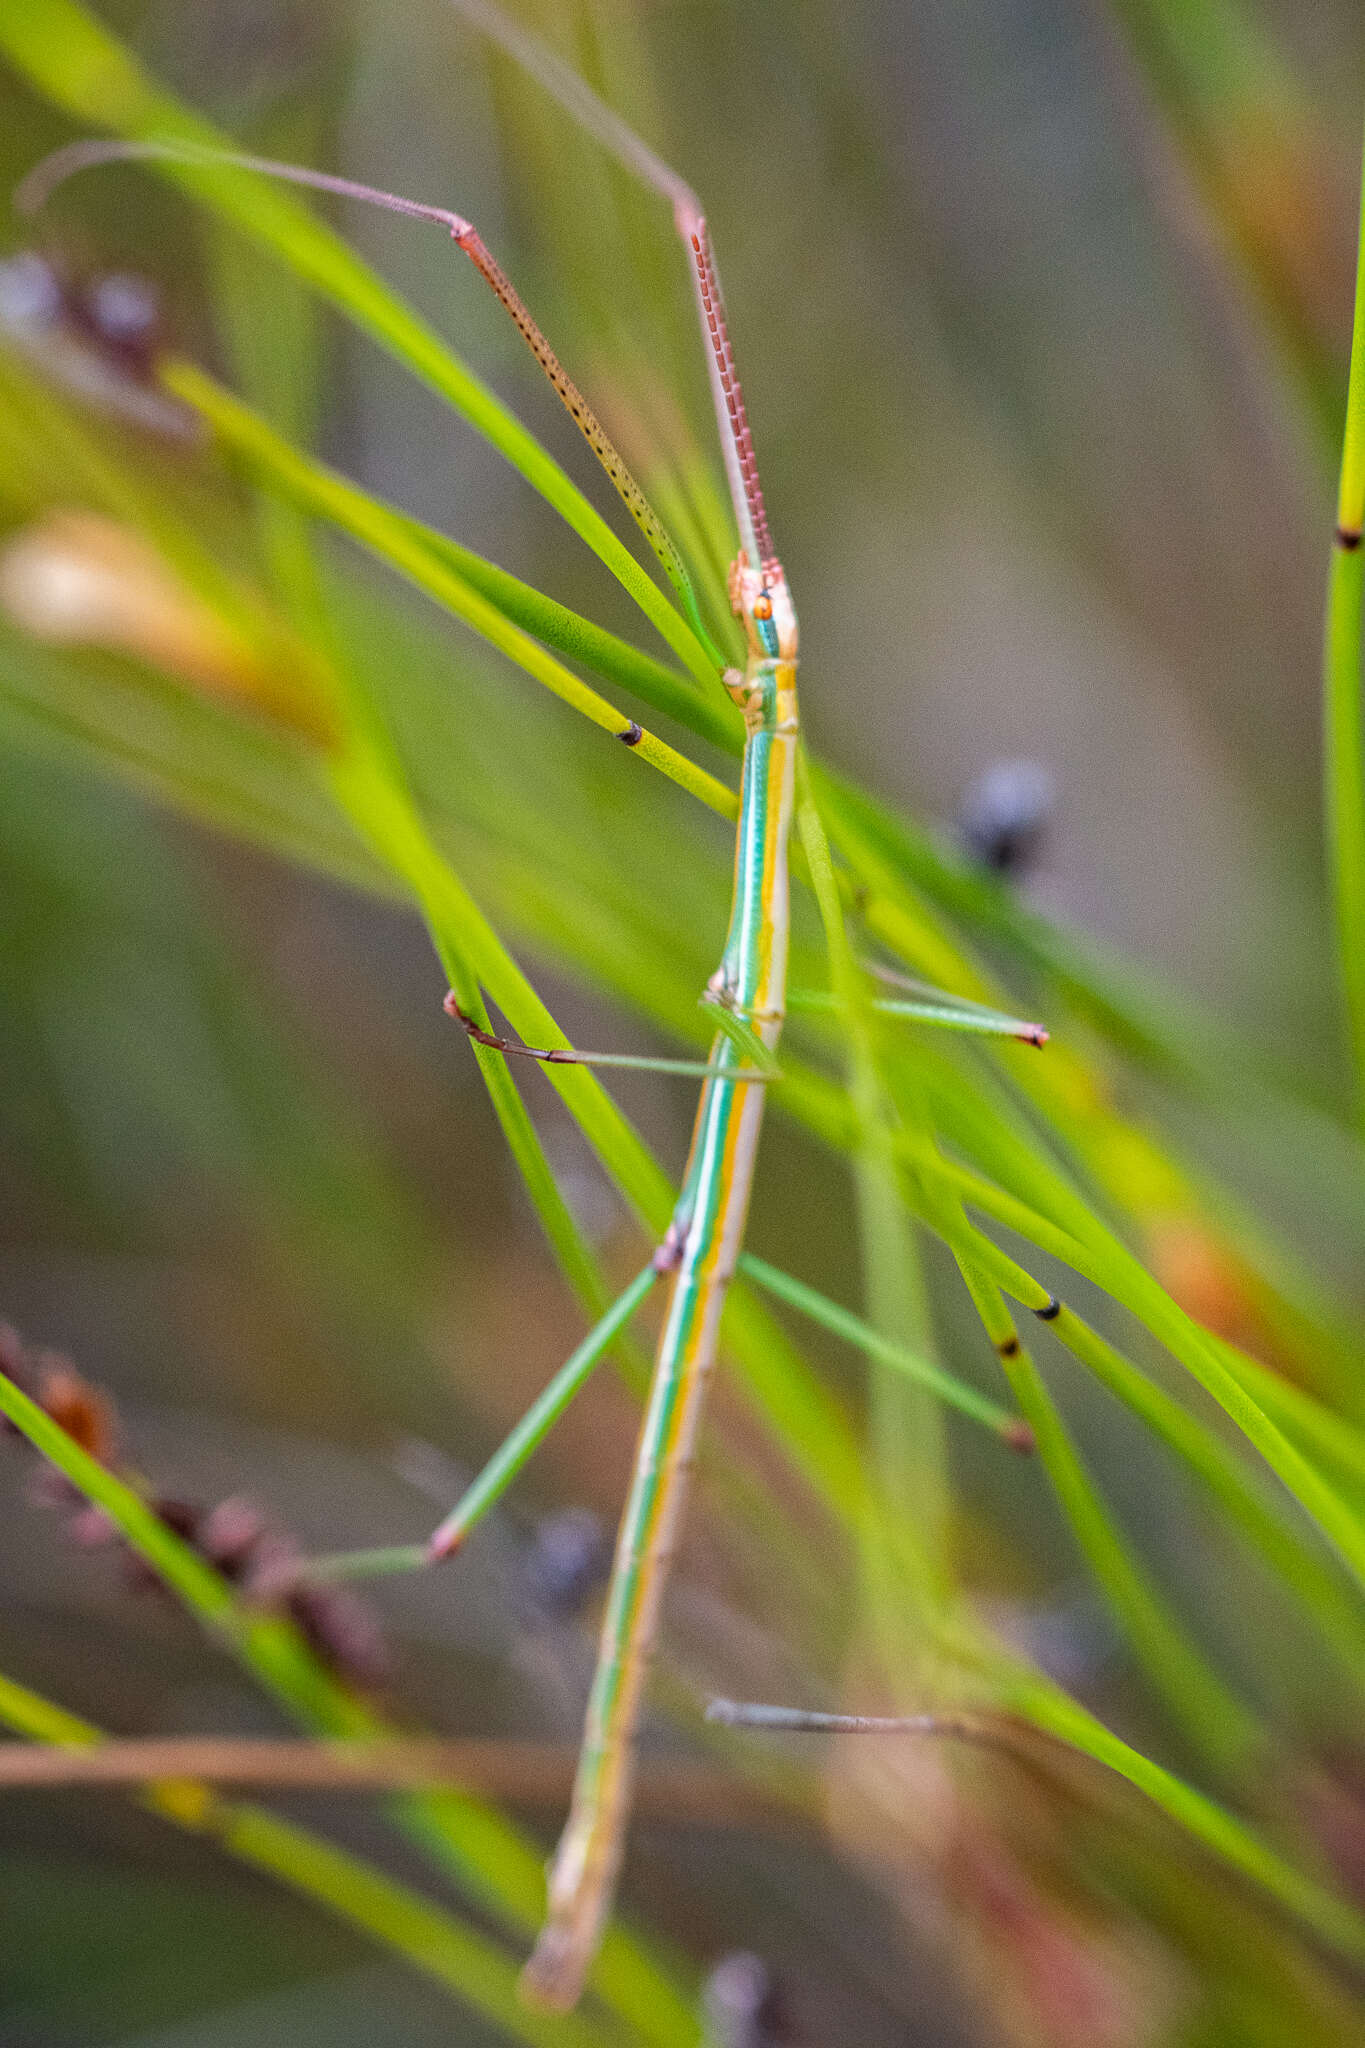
x,y
742,1036
269,669
907,1587
1325,1915
366,761
1305,1417
1302,1567
455,577
394,828
1106,1261
433,1940
1137,1174
842,1323
488,1854
1112,1268
1214,1720
389,537
982,1122
384,815
709,714
467,1962
1123,1277
974,1017
1198,1444
258,1639
1343,741
1220,83
193,757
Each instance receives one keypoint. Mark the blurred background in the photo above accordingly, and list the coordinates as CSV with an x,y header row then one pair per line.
x,y
1042,308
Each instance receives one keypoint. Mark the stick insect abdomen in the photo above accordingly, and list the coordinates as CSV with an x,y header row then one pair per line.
x,y
703,1247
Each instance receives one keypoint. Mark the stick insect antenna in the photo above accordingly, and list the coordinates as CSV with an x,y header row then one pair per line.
x,y
64,163
582,103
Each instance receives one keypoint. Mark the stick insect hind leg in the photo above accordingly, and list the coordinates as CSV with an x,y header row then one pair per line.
x,y
536,1424
517,1448
530,1431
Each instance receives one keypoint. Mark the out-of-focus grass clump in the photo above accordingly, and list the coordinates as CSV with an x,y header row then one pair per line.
x,y
1044,317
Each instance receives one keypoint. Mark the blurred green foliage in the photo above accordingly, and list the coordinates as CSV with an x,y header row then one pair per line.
x,y
1042,310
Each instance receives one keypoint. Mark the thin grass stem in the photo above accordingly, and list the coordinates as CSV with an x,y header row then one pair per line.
x,y
1217,1723
1011,1429
1046,1707
907,1586
1343,740
974,1017
1305,1568
313,487
1341,1442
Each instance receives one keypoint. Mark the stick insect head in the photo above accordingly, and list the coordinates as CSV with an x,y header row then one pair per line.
x,y
761,601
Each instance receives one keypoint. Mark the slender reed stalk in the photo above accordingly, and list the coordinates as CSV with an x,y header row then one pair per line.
x,y
1343,740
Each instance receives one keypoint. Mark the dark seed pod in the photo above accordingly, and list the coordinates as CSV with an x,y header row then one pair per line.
x,y
182,1518
81,1410
566,1560
121,316
33,297
1005,814
343,1631
14,1364
232,1537
98,336
240,1542
744,2006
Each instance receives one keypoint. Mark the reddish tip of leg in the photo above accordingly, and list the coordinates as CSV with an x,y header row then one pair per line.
x,y
450,1003
441,1547
1019,1436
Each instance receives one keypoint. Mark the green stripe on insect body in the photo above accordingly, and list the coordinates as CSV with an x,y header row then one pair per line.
x,y
703,1249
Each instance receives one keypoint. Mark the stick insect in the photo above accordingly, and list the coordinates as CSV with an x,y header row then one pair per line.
x,y
704,1244
704,1240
